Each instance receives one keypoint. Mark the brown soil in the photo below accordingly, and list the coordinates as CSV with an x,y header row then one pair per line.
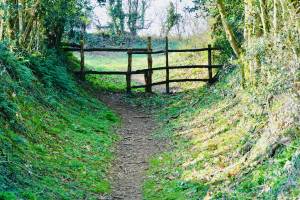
x,y
139,78
133,151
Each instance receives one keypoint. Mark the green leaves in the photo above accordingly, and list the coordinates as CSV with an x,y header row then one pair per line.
x,y
173,17
7,196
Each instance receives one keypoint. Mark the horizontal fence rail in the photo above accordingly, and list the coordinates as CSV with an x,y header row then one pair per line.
x,y
137,50
141,71
149,52
172,81
149,71
71,45
178,51
192,50
102,73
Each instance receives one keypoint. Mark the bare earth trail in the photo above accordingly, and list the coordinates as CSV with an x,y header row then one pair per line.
x,y
133,151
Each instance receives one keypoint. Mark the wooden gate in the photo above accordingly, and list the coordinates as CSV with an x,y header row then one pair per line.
x,y
148,72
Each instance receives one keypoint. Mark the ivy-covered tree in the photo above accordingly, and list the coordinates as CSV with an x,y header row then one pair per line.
x,y
173,18
129,14
136,15
228,26
117,16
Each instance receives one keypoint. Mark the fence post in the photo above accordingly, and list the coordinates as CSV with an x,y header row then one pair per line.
x,y
167,67
148,76
82,59
210,72
128,75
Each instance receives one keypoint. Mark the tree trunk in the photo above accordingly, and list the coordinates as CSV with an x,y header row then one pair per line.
x,y
20,17
10,28
228,29
133,17
275,15
2,21
264,16
27,30
248,33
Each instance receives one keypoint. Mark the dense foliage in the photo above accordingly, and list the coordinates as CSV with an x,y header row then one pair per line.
x,y
126,16
32,24
173,18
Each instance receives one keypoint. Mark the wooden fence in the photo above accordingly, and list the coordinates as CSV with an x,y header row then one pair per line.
x,y
148,72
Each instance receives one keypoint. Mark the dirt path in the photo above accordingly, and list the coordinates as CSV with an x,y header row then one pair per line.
x,y
133,151
139,78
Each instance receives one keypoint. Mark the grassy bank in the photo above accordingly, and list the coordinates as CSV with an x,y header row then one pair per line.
x,y
221,145
56,140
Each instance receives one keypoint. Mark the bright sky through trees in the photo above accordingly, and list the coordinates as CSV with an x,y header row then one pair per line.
x,y
155,15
